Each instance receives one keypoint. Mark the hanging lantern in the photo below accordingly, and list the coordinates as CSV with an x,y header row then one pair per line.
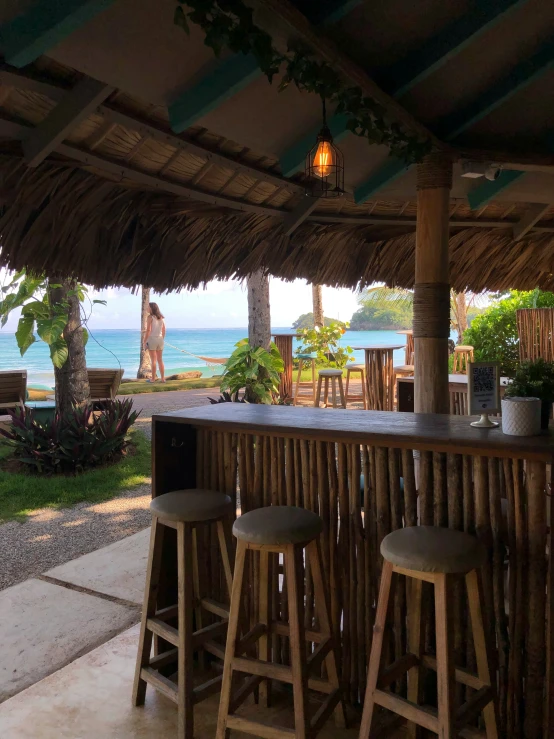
x,y
324,166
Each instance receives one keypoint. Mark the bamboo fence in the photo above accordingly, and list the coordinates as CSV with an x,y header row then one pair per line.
x,y
459,491
535,329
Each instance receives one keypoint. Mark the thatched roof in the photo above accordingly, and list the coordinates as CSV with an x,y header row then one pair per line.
x,y
119,198
65,219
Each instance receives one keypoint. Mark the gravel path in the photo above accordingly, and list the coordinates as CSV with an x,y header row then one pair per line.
x,y
50,537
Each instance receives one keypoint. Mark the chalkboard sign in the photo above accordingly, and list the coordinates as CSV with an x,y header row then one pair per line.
x,y
484,387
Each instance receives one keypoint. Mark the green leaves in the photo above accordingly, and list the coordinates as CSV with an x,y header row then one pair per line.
x,y
254,370
24,334
51,329
325,342
59,353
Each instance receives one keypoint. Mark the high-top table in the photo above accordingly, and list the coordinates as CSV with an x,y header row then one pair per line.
x,y
409,334
284,344
379,375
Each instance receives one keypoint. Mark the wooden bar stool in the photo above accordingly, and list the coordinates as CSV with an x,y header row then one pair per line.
x,y
302,360
360,369
288,531
183,510
463,355
435,555
334,375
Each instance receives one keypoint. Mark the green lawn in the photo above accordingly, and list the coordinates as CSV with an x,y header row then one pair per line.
x,y
142,386
24,492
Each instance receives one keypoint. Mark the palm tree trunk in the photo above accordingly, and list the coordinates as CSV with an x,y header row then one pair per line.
x,y
259,314
461,315
72,386
144,363
317,299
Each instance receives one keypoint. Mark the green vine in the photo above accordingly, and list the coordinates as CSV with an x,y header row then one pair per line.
x,y
229,24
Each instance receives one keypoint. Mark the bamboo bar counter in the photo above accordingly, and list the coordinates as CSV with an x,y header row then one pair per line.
x,y
417,469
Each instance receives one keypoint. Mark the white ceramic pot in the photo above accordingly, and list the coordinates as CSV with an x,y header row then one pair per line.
x,y
521,416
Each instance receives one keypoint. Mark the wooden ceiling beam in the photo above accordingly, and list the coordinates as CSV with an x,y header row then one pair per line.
x,y
518,78
533,215
298,215
299,26
229,76
75,107
489,189
399,221
413,68
56,91
45,24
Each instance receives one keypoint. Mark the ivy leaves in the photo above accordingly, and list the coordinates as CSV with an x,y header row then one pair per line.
x,y
229,24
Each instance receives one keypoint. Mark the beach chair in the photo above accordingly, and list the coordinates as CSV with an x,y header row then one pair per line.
x,y
104,384
13,390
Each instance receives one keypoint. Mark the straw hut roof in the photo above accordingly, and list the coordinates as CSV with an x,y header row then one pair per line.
x,y
128,155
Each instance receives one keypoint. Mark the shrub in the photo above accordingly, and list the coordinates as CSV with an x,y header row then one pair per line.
x,y
256,371
71,442
533,380
494,332
325,343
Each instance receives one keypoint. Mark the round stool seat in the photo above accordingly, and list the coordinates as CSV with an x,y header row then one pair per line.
x,y
191,505
356,367
404,368
461,348
433,549
330,373
278,525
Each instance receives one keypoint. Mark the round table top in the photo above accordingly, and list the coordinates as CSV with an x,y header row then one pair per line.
x,y
285,334
406,331
378,347
42,404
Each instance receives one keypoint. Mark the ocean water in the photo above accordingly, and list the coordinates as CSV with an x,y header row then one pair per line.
x,y
120,348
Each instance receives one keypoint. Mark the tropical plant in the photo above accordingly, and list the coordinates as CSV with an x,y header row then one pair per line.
x,y
533,379
71,441
493,334
325,342
227,398
255,371
306,320
52,309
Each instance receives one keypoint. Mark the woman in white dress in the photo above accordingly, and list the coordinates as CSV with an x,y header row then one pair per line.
x,y
154,340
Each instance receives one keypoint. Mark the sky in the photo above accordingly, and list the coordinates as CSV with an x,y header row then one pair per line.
x,y
220,305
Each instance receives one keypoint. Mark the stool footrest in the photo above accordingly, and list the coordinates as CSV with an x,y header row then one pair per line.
x,y
212,606
473,707
164,659
397,669
283,629
249,639
160,628
425,717
206,689
248,686
263,730
324,712
160,682
213,631
273,671
218,650
317,657
462,676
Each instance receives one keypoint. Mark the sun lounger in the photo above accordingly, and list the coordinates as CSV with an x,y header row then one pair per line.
x,y
104,384
13,390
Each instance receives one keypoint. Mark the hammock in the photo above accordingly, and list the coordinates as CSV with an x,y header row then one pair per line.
x,y
210,361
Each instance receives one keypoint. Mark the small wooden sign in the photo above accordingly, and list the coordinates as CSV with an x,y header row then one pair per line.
x,y
483,391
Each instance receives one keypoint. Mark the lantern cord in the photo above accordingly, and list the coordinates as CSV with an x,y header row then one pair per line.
x,y
324,111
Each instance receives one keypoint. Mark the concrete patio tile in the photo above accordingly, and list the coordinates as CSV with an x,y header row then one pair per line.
x,y
43,627
118,569
91,699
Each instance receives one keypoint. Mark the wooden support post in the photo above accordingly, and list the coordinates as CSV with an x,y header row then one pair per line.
x,y
432,289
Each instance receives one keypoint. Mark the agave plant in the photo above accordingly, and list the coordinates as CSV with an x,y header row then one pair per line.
x,y
72,441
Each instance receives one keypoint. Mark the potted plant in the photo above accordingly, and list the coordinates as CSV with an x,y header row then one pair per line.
x,y
534,379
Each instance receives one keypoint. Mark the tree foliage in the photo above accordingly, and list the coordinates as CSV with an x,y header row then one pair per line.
x,y
493,333
306,320
230,24
254,370
39,315
325,342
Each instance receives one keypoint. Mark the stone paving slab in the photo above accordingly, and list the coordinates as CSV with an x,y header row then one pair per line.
x,y
117,570
43,627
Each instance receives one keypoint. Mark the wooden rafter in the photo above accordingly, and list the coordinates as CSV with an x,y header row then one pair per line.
x,y
75,107
533,215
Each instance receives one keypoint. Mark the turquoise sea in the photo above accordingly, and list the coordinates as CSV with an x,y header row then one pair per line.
x,y
120,348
